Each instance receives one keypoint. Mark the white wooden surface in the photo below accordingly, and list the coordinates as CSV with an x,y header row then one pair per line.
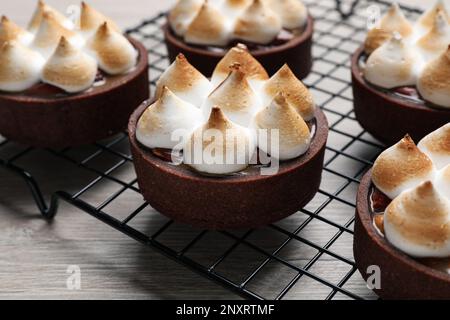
x,y
34,255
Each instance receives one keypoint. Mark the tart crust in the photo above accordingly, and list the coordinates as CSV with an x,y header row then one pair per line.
x,y
296,53
237,201
402,277
388,118
76,119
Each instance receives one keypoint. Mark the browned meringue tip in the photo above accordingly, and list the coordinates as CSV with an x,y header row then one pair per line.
x,y
181,57
64,47
217,117
237,3
425,189
4,19
407,143
280,99
103,30
285,72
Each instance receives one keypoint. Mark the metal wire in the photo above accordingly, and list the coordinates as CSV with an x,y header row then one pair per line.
x,y
335,39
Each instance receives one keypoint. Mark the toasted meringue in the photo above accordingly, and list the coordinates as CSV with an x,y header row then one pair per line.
x,y
436,146
69,68
182,14
442,182
258,24
393,64
9,31
294,135
293,13
158,124
428,18
38,15
20,67
434,81
401,167
114,53
91,20
219,146
50,32
209,27
185,81
418,222
234,8
393,21
235,97
294,90
255,72
437,39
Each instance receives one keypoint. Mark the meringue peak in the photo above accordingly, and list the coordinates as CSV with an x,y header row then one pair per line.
x,y
220,146
182,14
218,120
235,96
10,31
294,136
39,13
428,18
166,115
209,27
393,64
91,19
114,53
293,13
258,24
434,83
185,81
20,67
295,91
417,222
400,167
393,21
438,37
248,64
436,146
49,33
69,68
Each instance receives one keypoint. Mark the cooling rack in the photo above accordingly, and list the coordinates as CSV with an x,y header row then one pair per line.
x,y
306,255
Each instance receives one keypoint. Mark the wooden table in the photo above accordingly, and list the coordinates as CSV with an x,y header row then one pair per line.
x,y
35,255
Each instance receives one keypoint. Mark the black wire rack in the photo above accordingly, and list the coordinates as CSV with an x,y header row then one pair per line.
x,y
308,255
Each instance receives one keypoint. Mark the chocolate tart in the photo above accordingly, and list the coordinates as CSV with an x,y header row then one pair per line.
x,y
295,52
235,201
44,116
388,118
402,277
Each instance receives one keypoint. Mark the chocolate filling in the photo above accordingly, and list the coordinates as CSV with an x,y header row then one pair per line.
x,y
378,204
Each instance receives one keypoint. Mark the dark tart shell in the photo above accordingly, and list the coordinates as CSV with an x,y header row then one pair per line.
x,y
388,118
296,53
401,276
83,118
237,201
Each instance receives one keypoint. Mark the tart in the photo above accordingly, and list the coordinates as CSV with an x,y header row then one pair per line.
x,y
276,32
63,84
403,219
400,76
240,150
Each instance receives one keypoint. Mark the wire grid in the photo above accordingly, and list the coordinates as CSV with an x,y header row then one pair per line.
x,y
308,255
